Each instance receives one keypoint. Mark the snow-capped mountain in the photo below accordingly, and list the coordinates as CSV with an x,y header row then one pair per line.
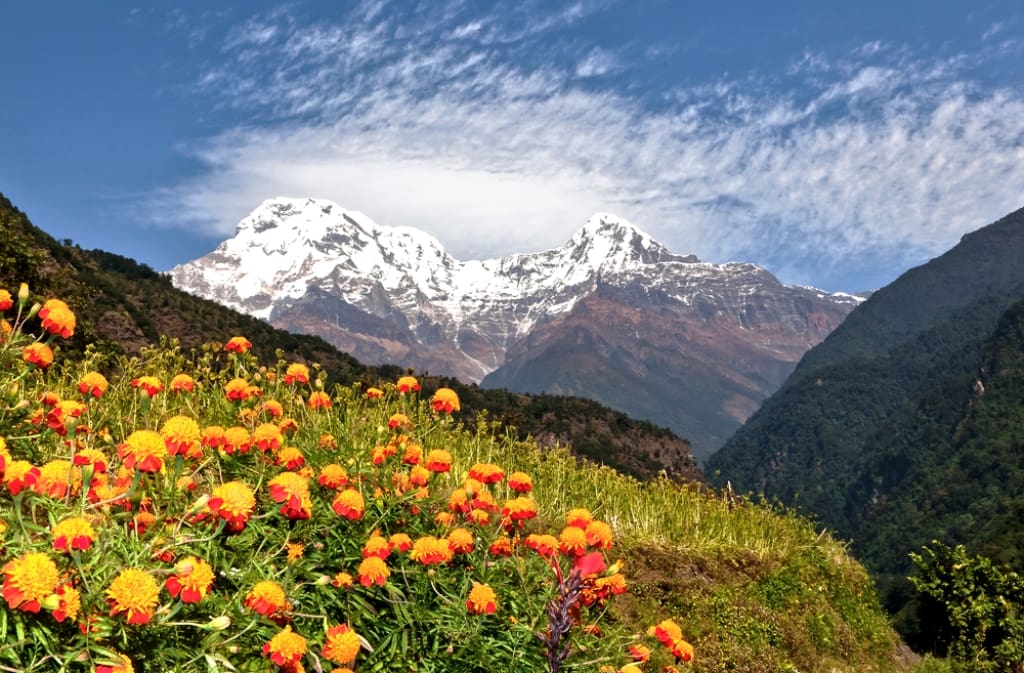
x,y
393,295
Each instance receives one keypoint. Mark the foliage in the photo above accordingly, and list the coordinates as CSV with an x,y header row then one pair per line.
x,y
970,608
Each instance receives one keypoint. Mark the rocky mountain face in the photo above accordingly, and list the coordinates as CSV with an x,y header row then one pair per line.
x,y
612,314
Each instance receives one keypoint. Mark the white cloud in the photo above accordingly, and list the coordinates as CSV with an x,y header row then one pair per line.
x,y
874,157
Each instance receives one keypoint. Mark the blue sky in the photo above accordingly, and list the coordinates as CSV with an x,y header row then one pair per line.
x,y
836,144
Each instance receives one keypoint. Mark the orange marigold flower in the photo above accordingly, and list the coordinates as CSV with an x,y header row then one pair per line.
x,y
73,533
94,384
342,644
267,437
372,571
573,541
343,581
5,330
430,550
445,400
238,344
149,385
400,421
57,318
236,440
482,600
290,458
182,437
133,593
319,400
682,650
461,541
237,390
374,393
288,425
599,534
294,551
349,504
64,415
122,666
233,502
480,517
273,409
67,602
666,631
640,652
545,545
92,457
20,474
292,490
327,441
377,546
6,301
144,450
487,473
501,547
381,453
419,475
266,598
141,522
286,648
407,384
57,478
519,509
401,542
191,580
333,476
520,482
580,518
613,584
28,580
296,373
438,460
38,354
213,436
182,383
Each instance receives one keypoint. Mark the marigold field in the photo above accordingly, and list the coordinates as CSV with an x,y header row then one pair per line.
x,y
206,512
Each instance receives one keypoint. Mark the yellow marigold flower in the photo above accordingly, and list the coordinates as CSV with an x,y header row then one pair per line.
x,y
266,598
377,546
373,571
134,593
445,400
520,482
20,474
292,490
374,393
149,385
28,580
144,450
438,460
57,318
233,502
267,437
342,644
640,652
486,473
66,603
182,383
333,476
482,600
519,509
182,436
93,384
545,545
430,550
38,354
599,534
191,580
57,478
580,518
407,384
6,301
319,400
400,421
296,373
237,390
290,458
461,541
236,440
349,504
213,436
401,542
573,541
286,648
295,550
238,344
73,533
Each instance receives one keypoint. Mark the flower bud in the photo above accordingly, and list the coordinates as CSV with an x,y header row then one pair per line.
x,y
35,309
23,294
218,623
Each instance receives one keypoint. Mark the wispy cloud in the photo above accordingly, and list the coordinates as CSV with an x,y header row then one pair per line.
x,y
438,120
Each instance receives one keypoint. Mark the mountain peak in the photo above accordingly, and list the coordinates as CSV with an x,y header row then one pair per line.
x,y
607,241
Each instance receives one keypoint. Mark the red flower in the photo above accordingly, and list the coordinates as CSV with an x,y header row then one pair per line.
x,y
238,344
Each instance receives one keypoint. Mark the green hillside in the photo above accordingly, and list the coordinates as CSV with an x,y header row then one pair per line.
x,y
904,425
